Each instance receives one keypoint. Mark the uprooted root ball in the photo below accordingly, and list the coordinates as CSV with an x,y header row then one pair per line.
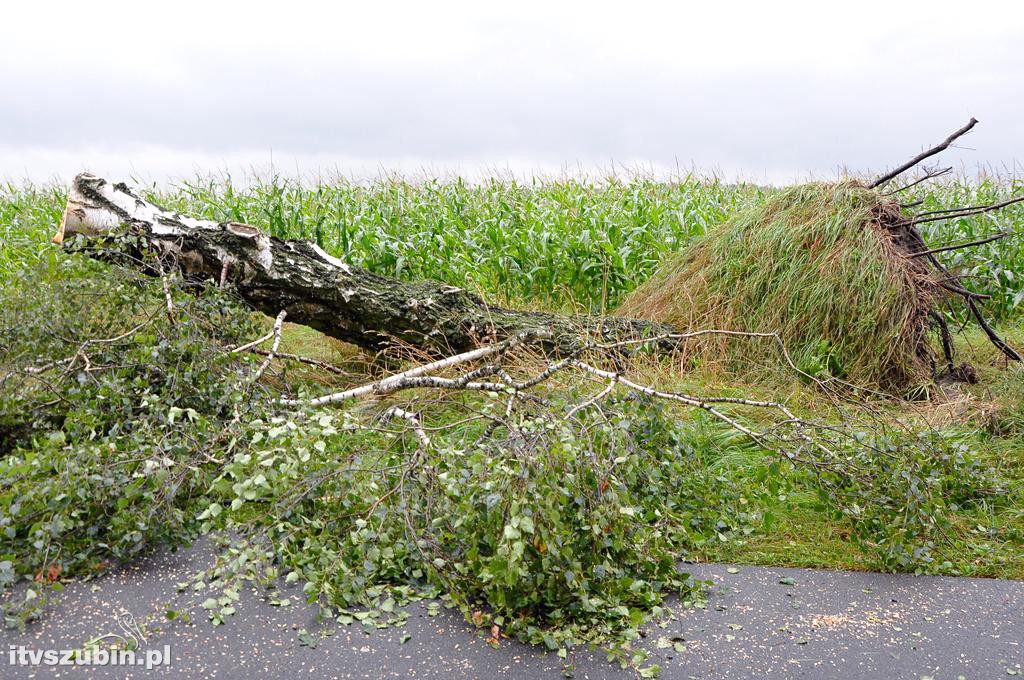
x,y
825,266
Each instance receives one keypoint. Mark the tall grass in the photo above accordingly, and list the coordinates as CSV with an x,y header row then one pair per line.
x,y
29,216
807,264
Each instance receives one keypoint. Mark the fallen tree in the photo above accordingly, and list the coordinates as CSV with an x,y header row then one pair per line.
x,y
320,291
522,487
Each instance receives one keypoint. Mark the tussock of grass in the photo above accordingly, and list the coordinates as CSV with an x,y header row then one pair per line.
x,y
815,264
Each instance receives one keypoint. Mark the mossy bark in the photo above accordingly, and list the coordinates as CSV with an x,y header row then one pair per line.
x,y
321,291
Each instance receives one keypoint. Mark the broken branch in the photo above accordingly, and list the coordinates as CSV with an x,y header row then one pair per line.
x,y
958,246
922,156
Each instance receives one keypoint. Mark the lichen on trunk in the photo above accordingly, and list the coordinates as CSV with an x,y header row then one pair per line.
x,y
319,290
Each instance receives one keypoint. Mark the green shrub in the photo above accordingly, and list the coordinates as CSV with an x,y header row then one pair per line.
x,y
104,451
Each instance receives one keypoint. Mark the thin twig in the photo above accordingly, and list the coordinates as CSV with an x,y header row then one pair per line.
x,y
931,174
966,212
249,345
958,246
301,359
593,400
167,293
413,419
278,323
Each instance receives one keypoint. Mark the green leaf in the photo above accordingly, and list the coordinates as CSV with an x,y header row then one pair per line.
x,y
307,639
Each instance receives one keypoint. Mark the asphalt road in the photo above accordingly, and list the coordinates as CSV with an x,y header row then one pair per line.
x,y
758,622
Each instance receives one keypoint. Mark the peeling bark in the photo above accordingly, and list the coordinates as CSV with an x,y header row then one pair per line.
x,y
321,291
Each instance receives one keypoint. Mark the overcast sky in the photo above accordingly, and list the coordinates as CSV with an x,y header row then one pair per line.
x,y
768,91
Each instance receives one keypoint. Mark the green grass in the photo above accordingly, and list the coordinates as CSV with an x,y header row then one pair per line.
x,y
986,539
807,265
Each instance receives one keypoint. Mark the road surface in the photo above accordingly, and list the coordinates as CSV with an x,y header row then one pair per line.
x,y
758,622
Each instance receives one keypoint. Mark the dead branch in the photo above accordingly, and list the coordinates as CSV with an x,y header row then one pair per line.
x,y
1010,352
959,246
929,174
969,298
922,156
965,212
278,323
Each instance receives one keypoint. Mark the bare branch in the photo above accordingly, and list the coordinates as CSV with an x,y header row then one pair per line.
x,y
969,298
929,174
704,403
278,323
966,212
958,246
926,154
249,345
1010,352
301,359
959,290
399,381
413,419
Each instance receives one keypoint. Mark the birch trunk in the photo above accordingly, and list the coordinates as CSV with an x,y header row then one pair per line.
x,y
321,291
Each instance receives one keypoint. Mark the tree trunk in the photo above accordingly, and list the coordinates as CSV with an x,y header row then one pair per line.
x,y
321,291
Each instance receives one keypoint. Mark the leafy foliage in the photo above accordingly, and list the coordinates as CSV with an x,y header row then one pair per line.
x,y
105,450
912,486
560,539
